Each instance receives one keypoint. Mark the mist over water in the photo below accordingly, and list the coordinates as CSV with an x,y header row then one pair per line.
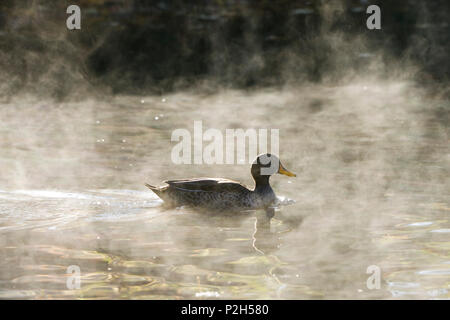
x,y
365,129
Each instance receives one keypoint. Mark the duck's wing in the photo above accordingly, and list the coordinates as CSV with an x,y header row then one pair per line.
x,y
207,185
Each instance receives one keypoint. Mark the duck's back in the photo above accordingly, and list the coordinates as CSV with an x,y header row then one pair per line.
x,y
209,193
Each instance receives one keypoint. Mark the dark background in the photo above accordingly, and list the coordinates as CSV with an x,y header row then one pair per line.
x,y
139,46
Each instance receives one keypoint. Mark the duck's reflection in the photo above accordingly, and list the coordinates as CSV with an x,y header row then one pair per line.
x,y
200,230
265,240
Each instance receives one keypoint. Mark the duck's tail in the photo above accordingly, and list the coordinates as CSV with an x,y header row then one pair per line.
x,y
153,188
159,191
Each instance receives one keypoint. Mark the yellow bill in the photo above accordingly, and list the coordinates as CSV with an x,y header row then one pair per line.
x,y
283,170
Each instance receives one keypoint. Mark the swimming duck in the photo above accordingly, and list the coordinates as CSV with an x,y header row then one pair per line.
x,y
223,194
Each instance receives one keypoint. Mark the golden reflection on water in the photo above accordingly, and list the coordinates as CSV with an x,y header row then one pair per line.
x,y
372,190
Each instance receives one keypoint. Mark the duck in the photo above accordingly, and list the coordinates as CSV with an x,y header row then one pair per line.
x,y
221,194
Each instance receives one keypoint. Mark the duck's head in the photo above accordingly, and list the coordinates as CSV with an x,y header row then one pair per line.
x,y
266,165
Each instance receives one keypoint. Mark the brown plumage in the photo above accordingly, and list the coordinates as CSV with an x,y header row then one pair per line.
x,y
222,194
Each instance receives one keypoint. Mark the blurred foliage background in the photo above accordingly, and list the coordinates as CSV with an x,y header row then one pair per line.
x,y
135,45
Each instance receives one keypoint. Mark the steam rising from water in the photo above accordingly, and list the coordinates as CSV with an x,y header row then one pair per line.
x,y
369,146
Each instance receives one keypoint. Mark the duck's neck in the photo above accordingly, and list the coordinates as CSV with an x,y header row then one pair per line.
x,y
261,182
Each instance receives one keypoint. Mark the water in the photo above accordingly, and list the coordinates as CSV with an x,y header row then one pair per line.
x,y
372,188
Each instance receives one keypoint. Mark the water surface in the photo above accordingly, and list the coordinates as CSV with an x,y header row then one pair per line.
x,y
372,188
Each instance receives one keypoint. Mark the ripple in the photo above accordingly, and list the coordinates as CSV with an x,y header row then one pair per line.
x,y
404,284
56,194
17,294
420,224
207,294
434,272
437,292
399,294
441,230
